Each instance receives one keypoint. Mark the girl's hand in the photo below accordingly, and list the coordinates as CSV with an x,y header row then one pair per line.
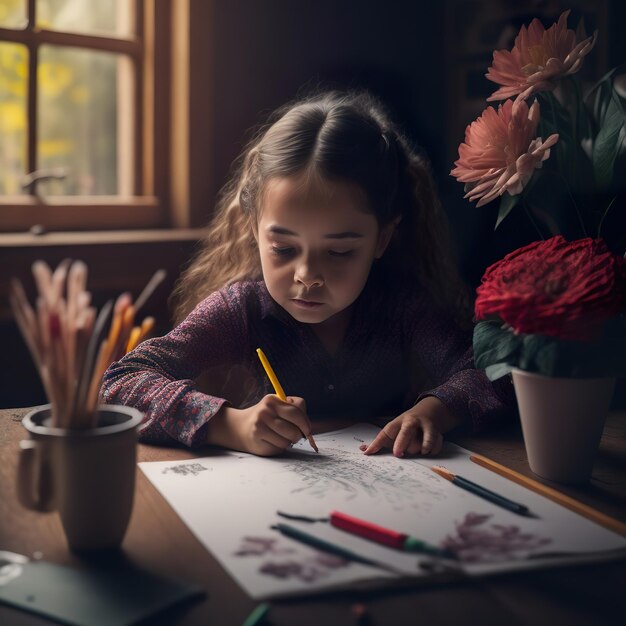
x,y
266,428
418,430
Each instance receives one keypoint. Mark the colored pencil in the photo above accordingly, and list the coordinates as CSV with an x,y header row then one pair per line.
x,y
332,548
278,388
257,615
385,536
552,494
149,289
269,370
476,489
72,348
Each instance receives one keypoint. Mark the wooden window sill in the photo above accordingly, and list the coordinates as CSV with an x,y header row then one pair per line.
x,y
19,213
99,238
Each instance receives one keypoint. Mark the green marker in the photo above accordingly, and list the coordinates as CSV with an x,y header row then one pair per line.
x,y
257,615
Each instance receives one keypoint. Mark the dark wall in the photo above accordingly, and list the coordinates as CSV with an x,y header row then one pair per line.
x,y
268,53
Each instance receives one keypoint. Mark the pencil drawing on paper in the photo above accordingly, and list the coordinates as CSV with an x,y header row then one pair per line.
x,y
478,542
309,570
306,569
260,546
398,483
186,469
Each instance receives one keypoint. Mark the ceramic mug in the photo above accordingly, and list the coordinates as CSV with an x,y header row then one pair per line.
x,y
87,475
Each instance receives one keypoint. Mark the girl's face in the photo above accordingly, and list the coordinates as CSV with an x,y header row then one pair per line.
x,y
317,244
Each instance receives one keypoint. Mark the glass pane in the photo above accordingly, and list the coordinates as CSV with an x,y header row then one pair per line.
x,y
78,118
112,17
13,14
13,124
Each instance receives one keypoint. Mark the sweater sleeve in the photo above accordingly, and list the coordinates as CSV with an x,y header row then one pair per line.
x,y
158,376
445,352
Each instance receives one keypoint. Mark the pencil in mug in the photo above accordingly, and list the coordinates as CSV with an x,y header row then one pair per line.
x,y
139,333
68,342
278,388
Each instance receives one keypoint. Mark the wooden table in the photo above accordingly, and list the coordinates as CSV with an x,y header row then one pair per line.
x,y
158,541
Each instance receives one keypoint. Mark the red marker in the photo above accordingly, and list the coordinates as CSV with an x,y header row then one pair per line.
x,y
385,536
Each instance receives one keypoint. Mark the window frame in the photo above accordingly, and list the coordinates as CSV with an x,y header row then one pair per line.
x,y
144,205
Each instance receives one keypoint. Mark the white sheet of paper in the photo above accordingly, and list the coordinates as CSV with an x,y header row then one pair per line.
x,y
230,502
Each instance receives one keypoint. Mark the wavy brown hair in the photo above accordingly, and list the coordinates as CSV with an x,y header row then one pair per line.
x,y
332,136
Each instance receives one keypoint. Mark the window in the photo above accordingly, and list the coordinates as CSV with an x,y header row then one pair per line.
x,y
79,119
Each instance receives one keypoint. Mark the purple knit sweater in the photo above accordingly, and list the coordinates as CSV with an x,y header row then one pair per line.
x,y
392,356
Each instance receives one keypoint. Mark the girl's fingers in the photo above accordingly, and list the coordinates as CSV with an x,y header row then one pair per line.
x,y
382,440
430,440
299,402
290,412
406,436
277,442
285,429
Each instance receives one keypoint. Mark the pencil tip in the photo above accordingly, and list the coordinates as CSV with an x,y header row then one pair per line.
x,y
443,472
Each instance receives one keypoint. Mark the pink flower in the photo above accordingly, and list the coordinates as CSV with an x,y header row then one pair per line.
x,y
501,152
538,59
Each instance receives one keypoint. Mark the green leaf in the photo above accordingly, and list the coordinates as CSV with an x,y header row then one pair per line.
x,y
607,144
601,103
497,371
606,79
497,350
493,344
583,124
507,204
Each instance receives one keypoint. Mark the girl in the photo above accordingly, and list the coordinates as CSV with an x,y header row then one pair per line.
x,y
327,250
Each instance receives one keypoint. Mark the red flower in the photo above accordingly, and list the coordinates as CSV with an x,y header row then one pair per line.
x,y
555,287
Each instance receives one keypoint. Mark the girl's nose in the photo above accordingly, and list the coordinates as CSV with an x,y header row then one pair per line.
x,y
308,276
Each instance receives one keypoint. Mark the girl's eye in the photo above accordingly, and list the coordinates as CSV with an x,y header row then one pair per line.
x,y
281,251
344,254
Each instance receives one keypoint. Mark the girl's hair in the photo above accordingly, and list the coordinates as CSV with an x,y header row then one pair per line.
x,y
332,136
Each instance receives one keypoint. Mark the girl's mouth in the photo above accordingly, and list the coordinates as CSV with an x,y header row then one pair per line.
x,y
306,304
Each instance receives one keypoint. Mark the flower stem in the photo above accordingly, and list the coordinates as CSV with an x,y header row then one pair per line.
x,y
608,208
532,219
578,213
560,175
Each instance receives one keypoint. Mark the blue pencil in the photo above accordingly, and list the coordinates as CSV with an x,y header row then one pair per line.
x,y
474,488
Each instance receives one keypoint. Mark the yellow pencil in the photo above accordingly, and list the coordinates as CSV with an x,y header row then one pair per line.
x,y
133,339
278,388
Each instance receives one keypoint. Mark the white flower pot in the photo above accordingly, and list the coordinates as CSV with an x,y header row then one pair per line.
x,y
562,421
